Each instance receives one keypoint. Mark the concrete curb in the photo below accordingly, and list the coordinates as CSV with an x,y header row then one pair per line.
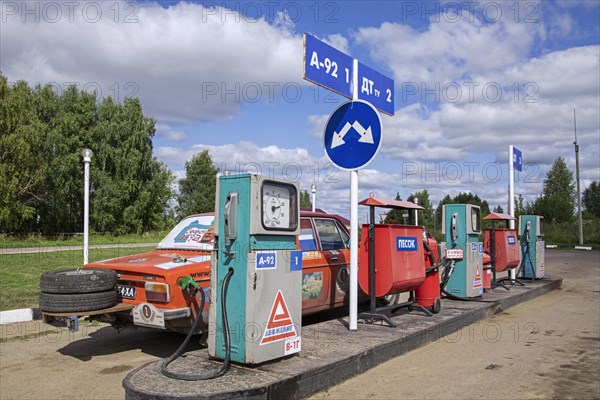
x,y
20,315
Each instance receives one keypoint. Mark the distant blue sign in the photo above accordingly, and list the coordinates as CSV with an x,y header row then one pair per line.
x,y
480,248
296,260
517,159
406,243
352,135
266,260
512,240
376,88
326,66
474,247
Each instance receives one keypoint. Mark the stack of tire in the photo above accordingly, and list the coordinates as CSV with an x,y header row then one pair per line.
x,y
77,290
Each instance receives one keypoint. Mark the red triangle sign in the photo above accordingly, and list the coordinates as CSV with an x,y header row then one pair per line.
x,y
280,325
477,281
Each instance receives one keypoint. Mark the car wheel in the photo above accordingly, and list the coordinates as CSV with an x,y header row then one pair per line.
x,y
437,306
52,302
85,280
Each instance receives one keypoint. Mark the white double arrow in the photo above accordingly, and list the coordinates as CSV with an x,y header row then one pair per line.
x,y
366,136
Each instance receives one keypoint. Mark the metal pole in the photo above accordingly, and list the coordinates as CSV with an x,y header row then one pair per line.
x,y
87,158
416,212
313,189
578,183
511,195
353,323
373,299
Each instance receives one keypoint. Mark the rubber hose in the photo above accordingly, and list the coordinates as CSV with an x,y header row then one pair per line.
x,y
224,367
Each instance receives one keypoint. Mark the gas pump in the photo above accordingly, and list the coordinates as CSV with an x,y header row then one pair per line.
x,y
256,270
463,272
533,247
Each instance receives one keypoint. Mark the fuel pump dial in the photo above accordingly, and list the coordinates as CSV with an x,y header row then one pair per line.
x,y
279,206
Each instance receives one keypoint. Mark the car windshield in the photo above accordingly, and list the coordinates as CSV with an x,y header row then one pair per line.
x,y
192,233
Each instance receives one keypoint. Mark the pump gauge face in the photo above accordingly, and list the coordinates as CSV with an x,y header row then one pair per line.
x,y
475,222
279,206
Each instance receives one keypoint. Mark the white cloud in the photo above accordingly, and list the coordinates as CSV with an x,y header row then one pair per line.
x,y
448,50
504,97
167,132
338,41
317,124
185,62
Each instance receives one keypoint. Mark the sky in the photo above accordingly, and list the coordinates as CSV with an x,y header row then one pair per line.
x,y
470,79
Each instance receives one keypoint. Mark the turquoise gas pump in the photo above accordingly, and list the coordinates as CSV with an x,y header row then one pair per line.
x,y
256,271
533,248
462,276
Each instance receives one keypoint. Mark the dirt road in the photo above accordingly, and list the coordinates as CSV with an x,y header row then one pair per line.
x,y
546,348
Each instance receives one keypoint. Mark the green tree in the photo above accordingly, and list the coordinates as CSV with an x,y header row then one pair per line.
x,y
197,189
42,135
439,211
426,215
131,188
305,200
67,121
22,172
557,202
499,209
590,199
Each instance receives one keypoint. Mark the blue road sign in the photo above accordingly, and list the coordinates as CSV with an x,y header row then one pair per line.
x,y
376,88
517,159
352,135
326,66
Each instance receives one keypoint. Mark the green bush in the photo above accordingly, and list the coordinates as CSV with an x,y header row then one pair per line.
x,y
567,233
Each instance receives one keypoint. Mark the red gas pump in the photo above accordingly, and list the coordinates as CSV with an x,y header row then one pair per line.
x,y
502,246
394,259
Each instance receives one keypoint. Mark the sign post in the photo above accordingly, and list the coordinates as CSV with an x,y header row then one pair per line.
x,y
353,133
515,161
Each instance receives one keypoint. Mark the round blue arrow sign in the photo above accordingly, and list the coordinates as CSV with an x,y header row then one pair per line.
x,y
352,135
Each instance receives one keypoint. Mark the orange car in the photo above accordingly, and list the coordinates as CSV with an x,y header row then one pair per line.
x,y
148,284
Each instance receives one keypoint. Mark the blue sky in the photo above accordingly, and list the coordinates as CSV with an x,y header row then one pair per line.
x,y
471,78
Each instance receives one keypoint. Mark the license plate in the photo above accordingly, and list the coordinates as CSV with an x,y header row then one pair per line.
x,y
147,314
126,292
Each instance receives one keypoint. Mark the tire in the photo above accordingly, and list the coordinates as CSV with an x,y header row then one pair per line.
x,y
51,302
437,306
86,280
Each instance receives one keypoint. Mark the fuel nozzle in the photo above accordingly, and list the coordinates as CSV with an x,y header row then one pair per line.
x,y
189,285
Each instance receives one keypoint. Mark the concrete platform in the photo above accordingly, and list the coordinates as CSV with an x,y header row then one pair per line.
x,y
330,353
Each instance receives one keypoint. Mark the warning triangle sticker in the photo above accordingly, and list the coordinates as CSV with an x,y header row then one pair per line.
x,y
280,325
477,282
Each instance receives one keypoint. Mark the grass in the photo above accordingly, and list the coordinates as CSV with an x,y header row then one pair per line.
x,y
568,233
20,273
34,240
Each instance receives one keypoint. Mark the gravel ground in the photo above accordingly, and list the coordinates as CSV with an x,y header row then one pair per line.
x,y
548,347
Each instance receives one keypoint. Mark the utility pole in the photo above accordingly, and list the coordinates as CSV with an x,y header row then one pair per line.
x,y
577,177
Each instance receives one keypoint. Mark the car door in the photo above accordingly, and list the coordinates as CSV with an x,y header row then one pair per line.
x,y
333,239
313,272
